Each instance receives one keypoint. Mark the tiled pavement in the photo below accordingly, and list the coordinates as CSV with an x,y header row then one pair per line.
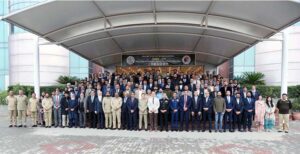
x,y
59,140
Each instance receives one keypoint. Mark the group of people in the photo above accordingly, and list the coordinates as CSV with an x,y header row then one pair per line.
x,y
151,101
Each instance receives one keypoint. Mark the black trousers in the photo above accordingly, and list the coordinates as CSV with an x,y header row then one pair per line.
x,y
164,121
124,118
228,118
184,116
248,119
132,123
196,121
101,120
93,119
238,121
207,116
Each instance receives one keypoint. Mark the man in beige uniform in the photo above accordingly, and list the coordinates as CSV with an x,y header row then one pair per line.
x,y
116,104
143,112
11,102
47,104
22,108
33,108
106,105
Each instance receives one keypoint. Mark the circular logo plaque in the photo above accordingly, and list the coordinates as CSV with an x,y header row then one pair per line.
x,y
130,60
186,60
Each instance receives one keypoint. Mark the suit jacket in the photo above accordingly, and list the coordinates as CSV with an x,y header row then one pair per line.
x,y
207,104
188,103
132,105
255,95
55,100
223,90
91,105
249,105
238,107
229,104
98,104
196,106
64,105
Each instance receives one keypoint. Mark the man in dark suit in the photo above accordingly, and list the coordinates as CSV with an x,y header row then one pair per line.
x,y
145,85
118,90
228,116
255,93
185,103
124,111
238,108
249,107
196,110
132,105
243,92
207,103
225,88
91,109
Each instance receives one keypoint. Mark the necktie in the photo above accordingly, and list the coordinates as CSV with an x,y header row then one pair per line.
x,y
185,100
57,101
153,101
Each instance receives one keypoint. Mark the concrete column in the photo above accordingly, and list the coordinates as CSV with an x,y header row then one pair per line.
x,y
284,61
36,67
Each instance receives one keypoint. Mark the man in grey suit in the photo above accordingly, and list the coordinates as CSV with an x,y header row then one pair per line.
x,y
57,108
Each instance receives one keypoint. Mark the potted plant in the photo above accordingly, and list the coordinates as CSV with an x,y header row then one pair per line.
x,y
296,109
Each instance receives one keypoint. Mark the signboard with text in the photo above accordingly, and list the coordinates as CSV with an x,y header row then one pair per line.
x,y
158,60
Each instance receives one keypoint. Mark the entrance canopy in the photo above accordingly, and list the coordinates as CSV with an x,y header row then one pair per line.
x,y
101,31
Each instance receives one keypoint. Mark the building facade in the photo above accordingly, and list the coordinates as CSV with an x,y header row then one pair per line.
x,y
265,57
16,54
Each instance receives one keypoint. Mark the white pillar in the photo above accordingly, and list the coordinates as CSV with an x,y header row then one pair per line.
x,y
284,61
36,68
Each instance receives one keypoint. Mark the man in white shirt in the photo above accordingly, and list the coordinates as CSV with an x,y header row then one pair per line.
x,y
153,105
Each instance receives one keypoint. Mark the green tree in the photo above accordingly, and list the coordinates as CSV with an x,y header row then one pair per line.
x,y
67,79
253,78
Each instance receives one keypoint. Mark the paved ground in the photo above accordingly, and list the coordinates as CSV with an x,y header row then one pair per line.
x,y
59,140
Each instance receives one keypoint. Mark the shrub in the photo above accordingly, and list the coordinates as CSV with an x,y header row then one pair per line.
x,y
3,95
251,78
296,104
28,90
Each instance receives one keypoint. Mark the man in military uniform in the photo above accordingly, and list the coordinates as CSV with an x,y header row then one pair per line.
x,y
143,112
106,105
11,102
47,104
22,108
164,112
33,109
116,105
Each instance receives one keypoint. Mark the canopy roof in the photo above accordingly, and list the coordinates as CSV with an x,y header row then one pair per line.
x,y
101,31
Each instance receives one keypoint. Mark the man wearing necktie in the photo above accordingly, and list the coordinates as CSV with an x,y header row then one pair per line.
x,y
207,110
91,108
124,111
153,106
228,116
196,111
132,106
57,109
238,110
185,103
249,106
